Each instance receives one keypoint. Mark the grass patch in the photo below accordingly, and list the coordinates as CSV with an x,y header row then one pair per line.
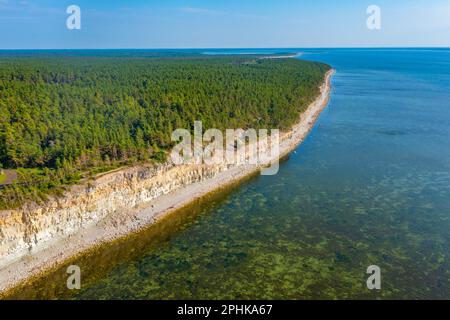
x,y
2,178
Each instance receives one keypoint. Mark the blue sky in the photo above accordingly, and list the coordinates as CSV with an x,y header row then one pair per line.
x,y
222,24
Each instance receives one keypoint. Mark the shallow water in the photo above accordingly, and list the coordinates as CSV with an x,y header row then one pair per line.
x,y
371,185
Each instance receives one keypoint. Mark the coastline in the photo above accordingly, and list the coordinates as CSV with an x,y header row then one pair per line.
x,y
289,56
139,218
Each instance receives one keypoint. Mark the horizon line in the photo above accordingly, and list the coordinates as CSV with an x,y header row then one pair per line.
x,y
231,48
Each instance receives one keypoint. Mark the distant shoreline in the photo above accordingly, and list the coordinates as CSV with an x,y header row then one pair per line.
x,y
294,55
56,253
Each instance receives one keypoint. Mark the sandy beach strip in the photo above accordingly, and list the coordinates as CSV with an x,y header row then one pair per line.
x,y
59,251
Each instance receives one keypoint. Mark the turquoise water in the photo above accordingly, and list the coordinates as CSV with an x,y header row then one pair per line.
x,y
371,185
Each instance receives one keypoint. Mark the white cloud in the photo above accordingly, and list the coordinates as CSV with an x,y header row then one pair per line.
x,y
202,11
213,12
251,16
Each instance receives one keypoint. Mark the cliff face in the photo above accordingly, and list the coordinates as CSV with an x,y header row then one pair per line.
x,y
25,230
114,200
114,195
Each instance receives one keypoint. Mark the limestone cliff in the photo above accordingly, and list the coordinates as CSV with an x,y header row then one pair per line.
x,y
23,230
113,195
